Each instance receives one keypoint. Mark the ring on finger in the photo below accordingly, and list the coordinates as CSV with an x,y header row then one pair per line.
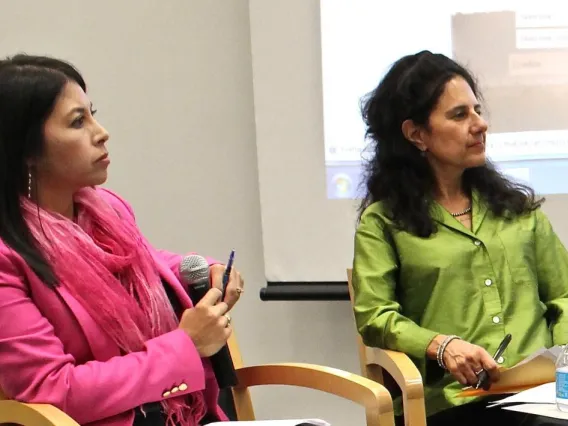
x,y
239,291
228,320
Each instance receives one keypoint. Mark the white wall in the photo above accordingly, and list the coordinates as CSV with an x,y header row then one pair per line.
x,y
173,84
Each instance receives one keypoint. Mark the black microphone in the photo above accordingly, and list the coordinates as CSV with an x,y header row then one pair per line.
x,y
194,272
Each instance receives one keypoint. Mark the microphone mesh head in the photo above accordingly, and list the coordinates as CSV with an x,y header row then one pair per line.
x,y
193,268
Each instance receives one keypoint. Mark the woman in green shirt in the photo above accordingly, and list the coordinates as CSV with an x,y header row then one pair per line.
x,y
450,256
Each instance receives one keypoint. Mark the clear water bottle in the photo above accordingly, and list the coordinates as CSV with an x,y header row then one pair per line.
x,y
562,380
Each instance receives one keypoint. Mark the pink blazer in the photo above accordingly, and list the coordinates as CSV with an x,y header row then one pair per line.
x,y
52,351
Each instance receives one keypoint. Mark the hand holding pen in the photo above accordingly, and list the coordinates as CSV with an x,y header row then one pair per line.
x,y
484,381
228,280
465,361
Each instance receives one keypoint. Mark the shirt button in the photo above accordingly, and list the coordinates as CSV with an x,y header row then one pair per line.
x,y
182,387
477,243
500,360
488,282
496,320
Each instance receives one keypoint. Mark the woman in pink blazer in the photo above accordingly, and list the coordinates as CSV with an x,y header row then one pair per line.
x,y
92,319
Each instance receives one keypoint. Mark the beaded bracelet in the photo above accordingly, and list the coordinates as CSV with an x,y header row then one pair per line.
x,y
442,349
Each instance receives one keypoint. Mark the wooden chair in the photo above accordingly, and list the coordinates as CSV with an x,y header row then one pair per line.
x,y
395,371
371,395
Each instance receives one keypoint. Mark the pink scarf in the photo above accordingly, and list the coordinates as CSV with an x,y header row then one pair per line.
x,y
103,262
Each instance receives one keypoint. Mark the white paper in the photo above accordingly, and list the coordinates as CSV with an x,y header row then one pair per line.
x,y
543,394
314,422
546,410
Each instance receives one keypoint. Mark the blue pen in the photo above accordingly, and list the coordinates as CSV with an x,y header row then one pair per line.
x,y
227,273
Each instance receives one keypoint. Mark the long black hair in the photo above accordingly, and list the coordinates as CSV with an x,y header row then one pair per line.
x,y
396,174
29,88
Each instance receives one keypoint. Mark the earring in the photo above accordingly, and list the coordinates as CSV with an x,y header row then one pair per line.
x,y
29,184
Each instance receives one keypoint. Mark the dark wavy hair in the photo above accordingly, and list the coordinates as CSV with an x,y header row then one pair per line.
x,y
29,88
396,174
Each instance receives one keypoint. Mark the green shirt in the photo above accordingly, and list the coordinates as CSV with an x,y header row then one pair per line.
x,y
500,277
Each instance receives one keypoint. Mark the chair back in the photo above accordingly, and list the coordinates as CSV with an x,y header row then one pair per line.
x,y
395,371
369,368
242,401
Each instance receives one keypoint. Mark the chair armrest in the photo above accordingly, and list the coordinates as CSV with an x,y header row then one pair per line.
x,y
33,414
372,395
408,379
400,367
